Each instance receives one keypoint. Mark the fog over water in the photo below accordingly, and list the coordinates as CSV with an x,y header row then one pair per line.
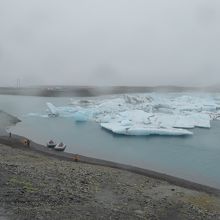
x,y
117,42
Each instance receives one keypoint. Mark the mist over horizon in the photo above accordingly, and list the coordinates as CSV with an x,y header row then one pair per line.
x,y
114,43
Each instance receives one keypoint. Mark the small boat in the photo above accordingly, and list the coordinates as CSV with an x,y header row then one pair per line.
x,y
60,147
51,144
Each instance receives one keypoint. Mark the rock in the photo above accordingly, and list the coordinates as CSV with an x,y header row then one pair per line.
x,y
139,212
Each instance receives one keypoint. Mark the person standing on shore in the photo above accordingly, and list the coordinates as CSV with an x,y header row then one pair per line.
x,y
28,142
9,134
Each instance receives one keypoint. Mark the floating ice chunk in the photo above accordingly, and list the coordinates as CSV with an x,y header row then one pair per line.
x,y
175,121
195,103
114,127
81,116
52,109
182,121
200,120
139,130
157,131
144,114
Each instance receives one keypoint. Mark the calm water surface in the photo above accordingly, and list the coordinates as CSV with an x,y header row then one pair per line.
x,y
195,158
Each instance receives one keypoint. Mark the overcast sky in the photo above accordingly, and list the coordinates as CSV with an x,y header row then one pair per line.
x,y
110,42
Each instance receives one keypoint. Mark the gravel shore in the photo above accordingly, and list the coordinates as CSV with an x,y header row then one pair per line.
x,y
35,186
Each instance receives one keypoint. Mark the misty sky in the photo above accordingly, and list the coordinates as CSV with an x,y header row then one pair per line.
x,y
110,42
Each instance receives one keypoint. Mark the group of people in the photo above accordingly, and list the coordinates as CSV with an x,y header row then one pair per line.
x,y
27,141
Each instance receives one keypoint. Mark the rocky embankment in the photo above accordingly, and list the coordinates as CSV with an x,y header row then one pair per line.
x,y
35,186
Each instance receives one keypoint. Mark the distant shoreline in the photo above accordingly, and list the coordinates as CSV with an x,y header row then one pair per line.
x,y
90,91
18,142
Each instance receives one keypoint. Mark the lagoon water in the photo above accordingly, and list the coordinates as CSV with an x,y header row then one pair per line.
x,y
196,158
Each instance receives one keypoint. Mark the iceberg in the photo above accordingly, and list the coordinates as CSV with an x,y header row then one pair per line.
x,y
175,121
143,130
52,109
145,114
183,121
201,120
83,115
80,117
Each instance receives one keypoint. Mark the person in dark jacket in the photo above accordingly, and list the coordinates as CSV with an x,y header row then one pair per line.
x,y
28,142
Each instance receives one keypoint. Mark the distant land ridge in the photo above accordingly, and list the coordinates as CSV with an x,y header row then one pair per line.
x,y
83,91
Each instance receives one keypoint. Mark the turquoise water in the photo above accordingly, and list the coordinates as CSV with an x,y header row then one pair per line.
x,y
195,158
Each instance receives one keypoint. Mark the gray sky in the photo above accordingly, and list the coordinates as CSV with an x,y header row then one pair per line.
x,y
110,42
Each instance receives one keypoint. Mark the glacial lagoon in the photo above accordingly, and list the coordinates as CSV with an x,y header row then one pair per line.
x,y
195,157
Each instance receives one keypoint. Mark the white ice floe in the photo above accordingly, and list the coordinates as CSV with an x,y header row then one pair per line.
x,y
140,130
52,109
145,114
183,121
81,116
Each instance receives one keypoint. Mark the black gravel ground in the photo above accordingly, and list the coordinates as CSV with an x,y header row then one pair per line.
x,y
35,186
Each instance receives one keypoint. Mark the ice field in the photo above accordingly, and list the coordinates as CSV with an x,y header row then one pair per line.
x,y
144,114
